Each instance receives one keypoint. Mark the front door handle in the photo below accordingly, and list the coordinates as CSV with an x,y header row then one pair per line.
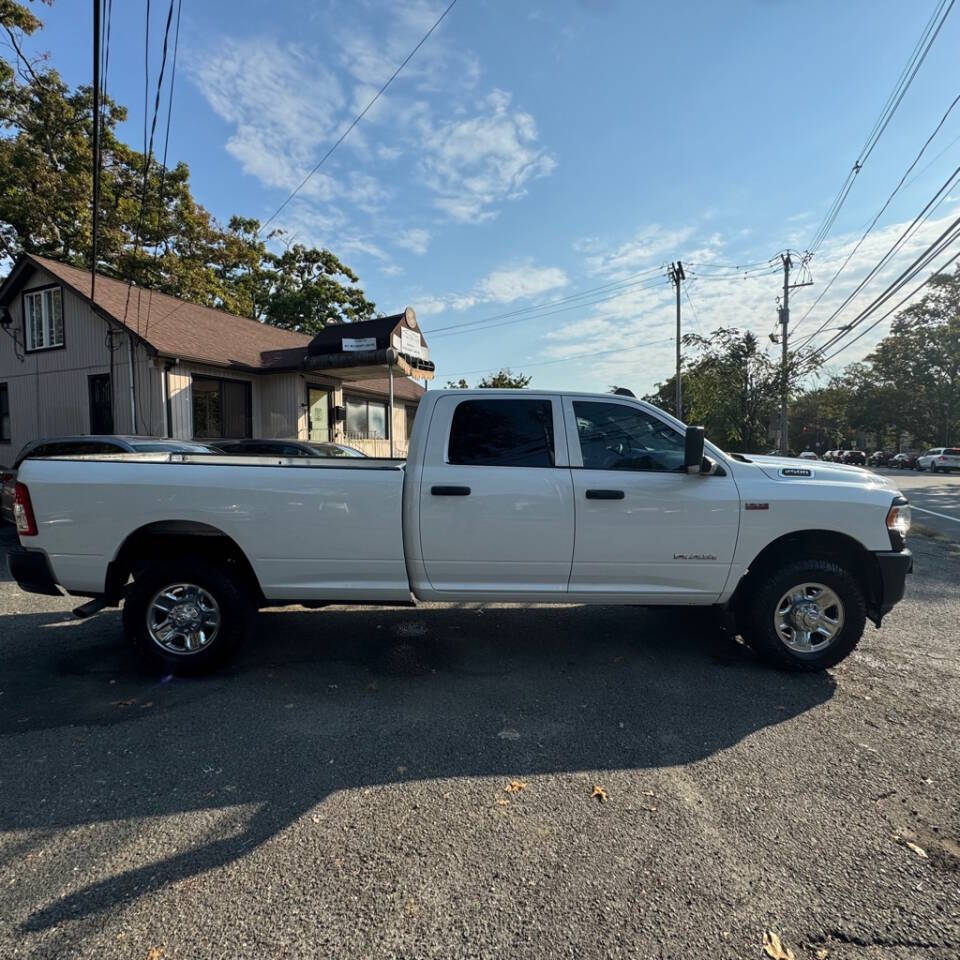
x,y
605,494
450,491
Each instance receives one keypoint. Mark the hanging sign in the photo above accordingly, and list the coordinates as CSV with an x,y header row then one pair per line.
x,y
410,343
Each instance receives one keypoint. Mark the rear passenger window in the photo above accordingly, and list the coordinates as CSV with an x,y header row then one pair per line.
x,y
502,433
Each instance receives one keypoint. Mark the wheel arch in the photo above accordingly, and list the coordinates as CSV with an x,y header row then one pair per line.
x,y
843,549
167,539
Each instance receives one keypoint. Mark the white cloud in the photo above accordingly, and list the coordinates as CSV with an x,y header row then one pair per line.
x,y
475,163
282,102
415,240
516,283
505,285
645,313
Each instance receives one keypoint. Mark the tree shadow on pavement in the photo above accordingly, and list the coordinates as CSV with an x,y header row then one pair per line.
x,y
340,699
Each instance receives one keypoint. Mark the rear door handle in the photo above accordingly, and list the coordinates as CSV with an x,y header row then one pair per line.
x,y
605,494
450,491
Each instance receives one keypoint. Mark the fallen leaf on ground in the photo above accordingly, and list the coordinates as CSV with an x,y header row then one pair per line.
x,y
515,786
649,793
503,802
774,948
650,809
910,845
155,953
822,954
599,793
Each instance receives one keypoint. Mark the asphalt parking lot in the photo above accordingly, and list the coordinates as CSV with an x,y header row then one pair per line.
x,y
340,790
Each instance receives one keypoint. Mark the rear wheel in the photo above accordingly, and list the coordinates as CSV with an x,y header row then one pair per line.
x,y
808,615
186,617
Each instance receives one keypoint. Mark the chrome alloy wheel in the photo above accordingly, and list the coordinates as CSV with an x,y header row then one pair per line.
x,y
183,618
808,617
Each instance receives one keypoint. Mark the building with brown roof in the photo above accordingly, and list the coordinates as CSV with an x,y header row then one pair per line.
x,y
133,361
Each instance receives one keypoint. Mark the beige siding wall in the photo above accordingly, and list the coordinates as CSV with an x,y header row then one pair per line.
x,y
48,389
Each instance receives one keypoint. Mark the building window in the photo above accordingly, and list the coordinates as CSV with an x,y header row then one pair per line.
x,y
502,433
366,419
411,416
221,409
43,318
4,413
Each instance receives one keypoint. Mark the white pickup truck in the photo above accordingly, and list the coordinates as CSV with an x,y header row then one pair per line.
x,y
505,496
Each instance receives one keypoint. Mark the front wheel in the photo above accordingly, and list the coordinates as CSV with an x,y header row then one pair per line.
x,y
186,617
807,616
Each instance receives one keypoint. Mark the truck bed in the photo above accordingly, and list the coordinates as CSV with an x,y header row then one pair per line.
x,y
312,528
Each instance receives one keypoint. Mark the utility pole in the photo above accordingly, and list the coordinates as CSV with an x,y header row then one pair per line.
x,y
784,361
677,276
96,149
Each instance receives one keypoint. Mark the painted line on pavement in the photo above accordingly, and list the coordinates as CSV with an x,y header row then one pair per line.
x,y
933,513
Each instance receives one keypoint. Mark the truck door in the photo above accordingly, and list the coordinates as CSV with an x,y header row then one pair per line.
x,y
496,497
644,525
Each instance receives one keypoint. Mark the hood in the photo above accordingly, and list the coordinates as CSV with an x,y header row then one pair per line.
x,y
792,468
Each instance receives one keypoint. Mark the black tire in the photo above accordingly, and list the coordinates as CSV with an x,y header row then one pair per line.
x,y
758,609
235,615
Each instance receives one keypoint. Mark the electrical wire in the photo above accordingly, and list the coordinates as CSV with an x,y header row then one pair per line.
x,y
163,165
893,309
625,284
921,218
927,38
881,211
550,313
942,242
579,356
360,115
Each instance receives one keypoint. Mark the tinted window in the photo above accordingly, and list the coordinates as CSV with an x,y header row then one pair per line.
x,y
953,452
158,446
502,433
614,436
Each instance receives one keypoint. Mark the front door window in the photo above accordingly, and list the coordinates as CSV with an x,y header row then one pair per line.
x,y
101,405
318,404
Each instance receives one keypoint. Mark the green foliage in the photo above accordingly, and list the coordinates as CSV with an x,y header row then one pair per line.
x,y
156,235
731,387
504,380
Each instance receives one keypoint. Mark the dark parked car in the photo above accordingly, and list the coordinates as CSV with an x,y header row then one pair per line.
x,y
880,458
903,461
78,446
287,448
856,458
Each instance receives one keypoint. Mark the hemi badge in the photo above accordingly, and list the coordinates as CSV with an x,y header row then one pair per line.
x,y
756,506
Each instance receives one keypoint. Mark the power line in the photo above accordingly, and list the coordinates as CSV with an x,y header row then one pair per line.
x,y
893,309
903,83
881,211
166,145
625,284
933,250
921,217
579,356
360,115
649,284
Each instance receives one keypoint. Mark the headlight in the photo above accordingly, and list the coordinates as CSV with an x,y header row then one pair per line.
x,y
898,523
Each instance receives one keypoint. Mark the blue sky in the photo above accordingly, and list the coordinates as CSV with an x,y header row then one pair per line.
x,y
533,151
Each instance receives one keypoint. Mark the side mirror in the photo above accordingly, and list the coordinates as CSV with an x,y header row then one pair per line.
x,y
693,451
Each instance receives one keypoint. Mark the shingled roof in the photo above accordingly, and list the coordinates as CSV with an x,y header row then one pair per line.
x,y
176,328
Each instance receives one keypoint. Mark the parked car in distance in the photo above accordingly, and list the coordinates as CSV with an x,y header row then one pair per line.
x,y
856,458
808,455
93,444
940,459
287,448
903,461
880,458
